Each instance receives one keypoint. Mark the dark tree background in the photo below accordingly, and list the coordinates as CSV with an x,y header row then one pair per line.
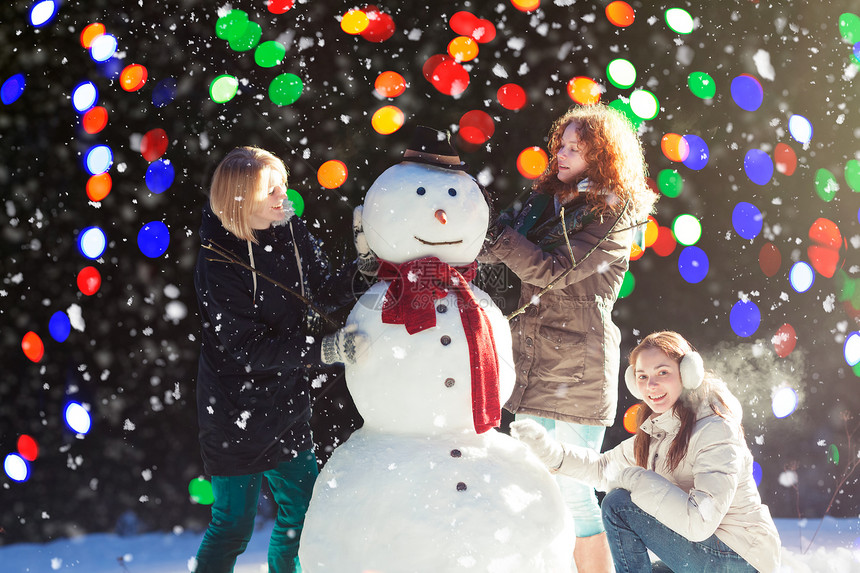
x,y
134,361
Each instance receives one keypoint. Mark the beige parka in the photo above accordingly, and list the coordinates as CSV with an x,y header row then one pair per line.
x,y
712,491
566,347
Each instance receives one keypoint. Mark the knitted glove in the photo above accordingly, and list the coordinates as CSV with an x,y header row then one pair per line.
x,y
347,345
368,263
536,438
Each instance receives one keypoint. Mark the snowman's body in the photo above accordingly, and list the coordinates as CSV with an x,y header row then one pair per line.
x,y
417,488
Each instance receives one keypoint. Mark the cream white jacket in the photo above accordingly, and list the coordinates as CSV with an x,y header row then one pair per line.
x,y
712,491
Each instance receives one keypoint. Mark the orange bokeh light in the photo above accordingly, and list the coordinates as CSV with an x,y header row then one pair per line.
x,y
531,162
99,186
583,90
132,77
390,84
620,14
526,5
95,119
90,33
332,174
463,49
675,147
354,22
387,120
629,419
32,346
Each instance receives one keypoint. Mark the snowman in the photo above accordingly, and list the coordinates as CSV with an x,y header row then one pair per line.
x,y
428,484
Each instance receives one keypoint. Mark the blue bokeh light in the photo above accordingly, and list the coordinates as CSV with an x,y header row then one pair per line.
x,y
693,264
747,220
164,92
98,160
745,318
77,418
84,96
758,166
747,92
153,239
92,242
698,156
12,89
41,13
60,326
103,48
160,175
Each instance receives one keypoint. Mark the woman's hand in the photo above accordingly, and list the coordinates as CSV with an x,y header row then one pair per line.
x,y
347,345
368,263
537,439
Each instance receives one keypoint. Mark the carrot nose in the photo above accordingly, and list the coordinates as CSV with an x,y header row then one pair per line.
x,y
441,216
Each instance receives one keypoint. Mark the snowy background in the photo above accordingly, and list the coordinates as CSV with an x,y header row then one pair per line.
x,y
767,291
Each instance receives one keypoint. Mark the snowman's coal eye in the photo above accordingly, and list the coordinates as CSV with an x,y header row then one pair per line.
x,y
452,192
421,190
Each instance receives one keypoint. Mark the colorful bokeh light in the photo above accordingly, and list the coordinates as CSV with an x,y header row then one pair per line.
x,y
747,220
784,159
698,155
99,186
584,91
297,201
159,176
826,185
629,419
784,402
621,73
153,144
286,89
77,418
16,467
702,85
354,22
476,126
800,128
670,182
133,77
679,20
758,166
90,33
12,89
32,345
41,13
92,242
389,84
511,96
747,92
769,259
784,340
94,120
851,349
60,326
84,96
687,229
463,49
620,13
269,54
387,119
644,104
200,491
223,88
153,239
531,162
446,74
103,48
89,280
332,174
693,264
28,448
825,249
745,318
801,276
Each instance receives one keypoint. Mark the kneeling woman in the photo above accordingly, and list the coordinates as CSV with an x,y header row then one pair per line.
x,y
683,486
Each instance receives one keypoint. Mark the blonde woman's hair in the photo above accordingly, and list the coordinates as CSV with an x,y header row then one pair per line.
x,y
613,152
234,193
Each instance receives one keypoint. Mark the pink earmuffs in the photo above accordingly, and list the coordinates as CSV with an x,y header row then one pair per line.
x,y
692,374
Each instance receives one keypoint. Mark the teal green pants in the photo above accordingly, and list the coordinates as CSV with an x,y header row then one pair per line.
x,y
235,507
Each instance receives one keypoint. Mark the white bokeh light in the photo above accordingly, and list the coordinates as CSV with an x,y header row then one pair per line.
x,y
78,418
784,402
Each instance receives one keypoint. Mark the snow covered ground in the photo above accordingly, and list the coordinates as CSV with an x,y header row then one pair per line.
x,y
836,549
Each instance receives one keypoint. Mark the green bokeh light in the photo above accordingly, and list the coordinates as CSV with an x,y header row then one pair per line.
x,y
231,24
247,38
624,107
826,185
297,201
702,85
670,182
223,88
849,27
627,285
621,73
200,490
679,20
285,89
687,229
269,54
833,454
852,174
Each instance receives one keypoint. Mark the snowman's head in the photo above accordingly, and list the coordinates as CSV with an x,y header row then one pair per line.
x,y
415,210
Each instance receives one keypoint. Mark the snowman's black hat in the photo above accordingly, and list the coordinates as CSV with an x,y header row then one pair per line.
x,y
433,147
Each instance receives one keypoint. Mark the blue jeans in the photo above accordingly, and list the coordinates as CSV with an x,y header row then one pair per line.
x,y
235,507
579,498
632,532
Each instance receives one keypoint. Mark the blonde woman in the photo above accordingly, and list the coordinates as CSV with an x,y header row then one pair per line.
x,y
253,392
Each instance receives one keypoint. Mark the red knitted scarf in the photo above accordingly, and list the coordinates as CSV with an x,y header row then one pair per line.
x,y
409,301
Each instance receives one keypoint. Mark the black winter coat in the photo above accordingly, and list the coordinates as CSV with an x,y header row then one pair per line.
x,y
253,391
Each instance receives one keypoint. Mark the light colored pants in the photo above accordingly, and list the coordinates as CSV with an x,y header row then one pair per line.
x,y
579,498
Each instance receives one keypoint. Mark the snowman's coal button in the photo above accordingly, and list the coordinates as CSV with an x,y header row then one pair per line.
x,y
529,341
442,309
445,340
449,382
461,486
455,453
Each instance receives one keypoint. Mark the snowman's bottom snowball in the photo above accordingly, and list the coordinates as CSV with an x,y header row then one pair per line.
x,y
398,504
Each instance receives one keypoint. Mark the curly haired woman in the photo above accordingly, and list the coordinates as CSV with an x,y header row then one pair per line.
x,y
566,347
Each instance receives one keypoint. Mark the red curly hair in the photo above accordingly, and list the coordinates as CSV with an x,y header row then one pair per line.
x,y
613,152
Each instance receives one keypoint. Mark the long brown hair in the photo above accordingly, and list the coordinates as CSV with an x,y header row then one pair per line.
x,y
685,409
613,152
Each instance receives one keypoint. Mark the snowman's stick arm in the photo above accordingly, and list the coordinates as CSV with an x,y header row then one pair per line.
x,y
576,263
231,258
